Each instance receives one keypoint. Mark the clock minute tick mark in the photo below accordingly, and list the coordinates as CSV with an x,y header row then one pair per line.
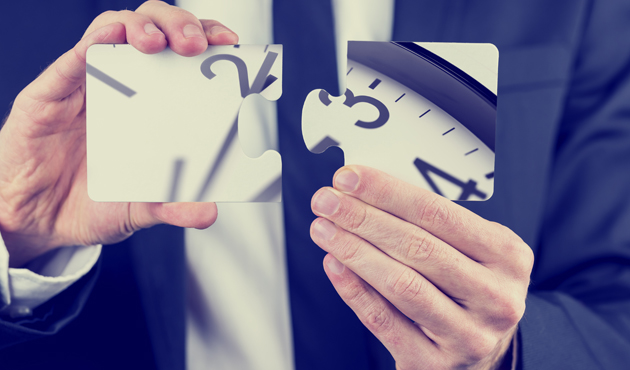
x,y
399,98
266,47
375,83
424,113
351,68
490,175
472,151
448,131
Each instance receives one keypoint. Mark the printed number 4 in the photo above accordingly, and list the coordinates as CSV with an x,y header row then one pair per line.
x,y
468,188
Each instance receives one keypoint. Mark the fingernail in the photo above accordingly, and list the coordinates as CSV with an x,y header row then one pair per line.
x,y
218,29
346,180
334,265
325,202
150,29
190,30
324,229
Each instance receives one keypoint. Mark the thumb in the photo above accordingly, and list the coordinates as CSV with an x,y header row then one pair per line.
x,y
67,73
197,215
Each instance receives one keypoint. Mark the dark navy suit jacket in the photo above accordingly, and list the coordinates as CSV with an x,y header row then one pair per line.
x,y
562,184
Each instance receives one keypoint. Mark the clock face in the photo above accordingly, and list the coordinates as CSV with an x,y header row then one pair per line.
x,y
163,127
412,114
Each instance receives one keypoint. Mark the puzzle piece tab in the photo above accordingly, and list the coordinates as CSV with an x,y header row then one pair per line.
x,y
164,127
413,114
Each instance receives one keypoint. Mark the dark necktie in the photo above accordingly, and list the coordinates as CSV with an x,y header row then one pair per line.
x,y
326,333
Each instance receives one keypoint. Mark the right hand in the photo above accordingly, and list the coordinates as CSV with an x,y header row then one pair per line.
x,y
43,183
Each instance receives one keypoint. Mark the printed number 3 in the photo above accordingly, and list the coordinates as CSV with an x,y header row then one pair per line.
x,y
351,100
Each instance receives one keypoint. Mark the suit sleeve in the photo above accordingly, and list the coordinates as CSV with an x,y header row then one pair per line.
x,y
23,289
578,309
48,318
25,55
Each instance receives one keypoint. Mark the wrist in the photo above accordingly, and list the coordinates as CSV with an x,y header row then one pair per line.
x,y
507,355
22,249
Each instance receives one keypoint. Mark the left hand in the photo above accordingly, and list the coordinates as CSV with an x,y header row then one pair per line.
x,y
44,202
439,286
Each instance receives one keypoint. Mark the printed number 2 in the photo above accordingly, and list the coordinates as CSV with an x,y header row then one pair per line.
x,y
262,80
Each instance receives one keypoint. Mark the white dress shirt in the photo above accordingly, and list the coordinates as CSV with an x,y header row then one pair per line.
x,y
238,313
240,316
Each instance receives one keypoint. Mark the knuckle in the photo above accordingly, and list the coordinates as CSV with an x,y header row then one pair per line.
x,y
506,310
356,219
419,246
521,256
113,16
106,14
347,250
384,192
509,313
527,261
433,212
477,344
379,320
37,112
355,294
126,13
150,3
179,13
359,219
376,316
481,347
61,72
407,286
512,242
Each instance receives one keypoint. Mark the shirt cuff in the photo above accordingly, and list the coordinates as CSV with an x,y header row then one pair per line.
x,y
23,289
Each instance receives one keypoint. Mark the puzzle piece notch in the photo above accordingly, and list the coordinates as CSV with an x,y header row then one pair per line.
x,y
364,111
162,154
418,142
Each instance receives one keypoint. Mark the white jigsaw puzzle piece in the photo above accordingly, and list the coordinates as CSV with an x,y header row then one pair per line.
x,y
164,127
382,122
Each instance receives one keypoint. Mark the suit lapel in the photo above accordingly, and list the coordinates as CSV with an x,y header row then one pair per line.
x,y
159,258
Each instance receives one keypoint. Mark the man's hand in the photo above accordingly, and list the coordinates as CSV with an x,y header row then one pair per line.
x,y
439,286
43,191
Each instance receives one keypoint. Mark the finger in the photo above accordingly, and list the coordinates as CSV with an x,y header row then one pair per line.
x,y
451,271
67,73
218,34
404,340
197,215
184,32
465,342
140,31
407,290
483,241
